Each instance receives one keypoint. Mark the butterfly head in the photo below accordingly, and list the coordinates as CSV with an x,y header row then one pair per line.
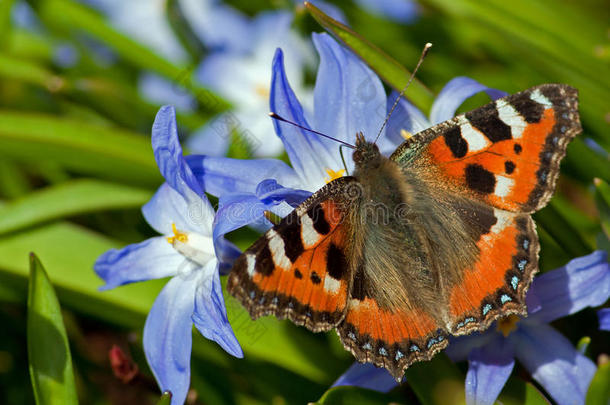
x,y
366,153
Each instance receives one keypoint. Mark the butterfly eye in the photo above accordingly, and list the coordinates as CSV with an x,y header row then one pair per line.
x,y
357,156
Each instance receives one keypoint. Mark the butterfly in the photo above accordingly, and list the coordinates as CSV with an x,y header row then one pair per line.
x,y
436,240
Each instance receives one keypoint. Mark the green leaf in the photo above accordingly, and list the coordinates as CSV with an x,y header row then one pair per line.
x,y
562,232
80,146
66,199
602,201
358,396
5,20
165,399
437,382
48,349
12,68
519,392
599,390
386,67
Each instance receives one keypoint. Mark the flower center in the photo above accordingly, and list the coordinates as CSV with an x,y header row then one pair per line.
x,y
193,246
262,91
508,324
334,175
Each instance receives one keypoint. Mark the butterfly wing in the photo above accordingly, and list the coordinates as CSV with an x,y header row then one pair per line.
x,y
481,175
445,299
299,268
506,153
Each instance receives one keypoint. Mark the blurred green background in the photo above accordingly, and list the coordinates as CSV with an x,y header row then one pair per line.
x,y
76,166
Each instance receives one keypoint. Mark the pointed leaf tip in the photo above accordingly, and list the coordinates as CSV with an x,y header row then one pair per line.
x,y
49,357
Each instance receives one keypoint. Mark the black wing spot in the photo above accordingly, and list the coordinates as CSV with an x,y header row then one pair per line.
x,y
517,148
336,263
455,142
316,213
509,167
358,287
298,274
480,179
530,110
487,120
264,261
315,278
293,244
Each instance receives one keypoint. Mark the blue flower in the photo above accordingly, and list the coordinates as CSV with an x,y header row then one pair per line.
x,y
604,319
187,253
243,79
549,357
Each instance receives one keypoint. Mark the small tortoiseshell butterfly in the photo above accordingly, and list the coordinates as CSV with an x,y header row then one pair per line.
x,y
435,240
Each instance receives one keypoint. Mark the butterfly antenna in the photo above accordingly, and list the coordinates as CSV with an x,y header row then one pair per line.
x,y
280,118
402,92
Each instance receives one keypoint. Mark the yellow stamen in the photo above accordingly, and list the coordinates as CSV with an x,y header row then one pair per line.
x,y
262,91
508,324
178,236
405,134
334,175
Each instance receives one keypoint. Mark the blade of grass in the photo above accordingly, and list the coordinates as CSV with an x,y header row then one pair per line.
x,y
67,199
79,146
49,356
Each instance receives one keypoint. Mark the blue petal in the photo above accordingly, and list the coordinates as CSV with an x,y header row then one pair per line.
x,y
366,375
168,207
348,97
460,347
210,316
151,259
168,154
236,211
454,94
405,11
308,153
224,175
552,361
488,370
168,336
603,316
271,193
227,253
583,282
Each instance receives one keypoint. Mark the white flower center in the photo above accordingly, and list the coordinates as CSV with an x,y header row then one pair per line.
x,y
195,247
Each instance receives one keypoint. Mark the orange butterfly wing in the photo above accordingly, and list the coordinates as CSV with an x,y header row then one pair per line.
x,y
299,268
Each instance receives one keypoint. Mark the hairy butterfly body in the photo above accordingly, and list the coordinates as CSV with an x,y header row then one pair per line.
x,y
435,240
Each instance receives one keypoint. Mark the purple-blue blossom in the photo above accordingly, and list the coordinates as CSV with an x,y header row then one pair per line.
x,y
188,254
